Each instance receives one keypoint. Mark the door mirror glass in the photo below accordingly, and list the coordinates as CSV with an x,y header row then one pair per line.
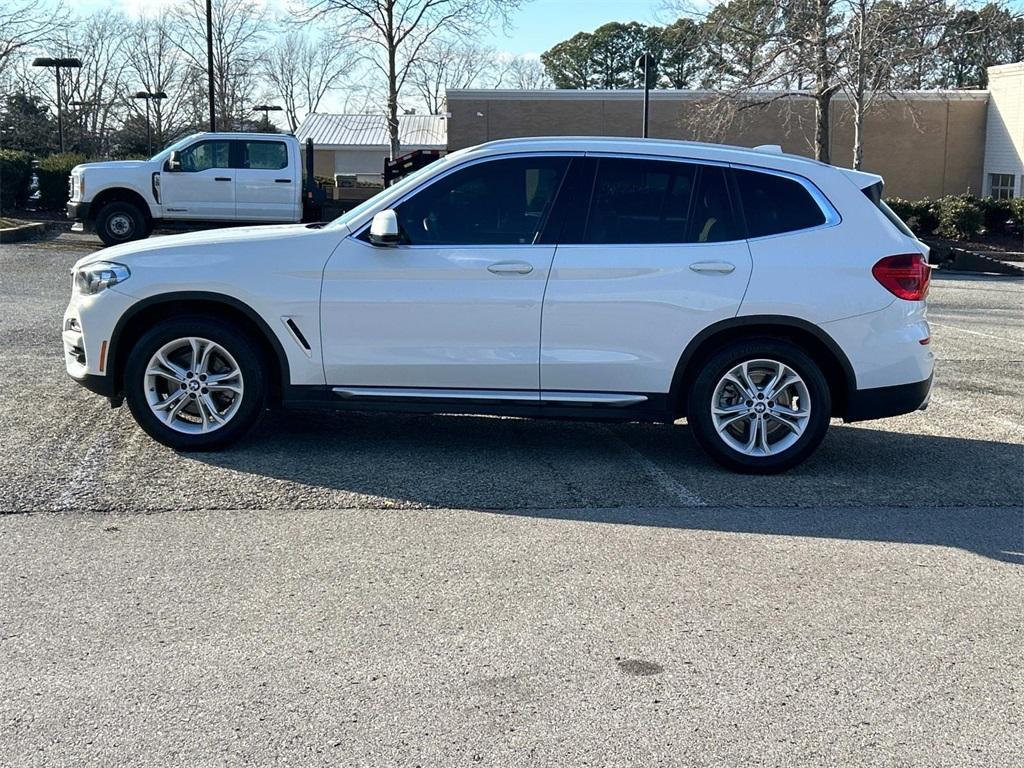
x,y
384,228
174,161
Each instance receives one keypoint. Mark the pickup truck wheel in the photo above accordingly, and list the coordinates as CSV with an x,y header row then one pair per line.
x,y
119,223
195,383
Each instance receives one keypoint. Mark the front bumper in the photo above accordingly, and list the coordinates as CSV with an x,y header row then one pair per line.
x,y
882,402
86,332
78,210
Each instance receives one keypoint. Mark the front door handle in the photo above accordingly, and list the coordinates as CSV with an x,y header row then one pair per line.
x,y
715,267
510,268
222,178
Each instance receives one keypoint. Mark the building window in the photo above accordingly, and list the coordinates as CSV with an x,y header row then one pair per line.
x,y
1000,185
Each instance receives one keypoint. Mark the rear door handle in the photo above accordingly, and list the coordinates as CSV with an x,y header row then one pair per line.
x,y
222,178
510,268
282,181
715,267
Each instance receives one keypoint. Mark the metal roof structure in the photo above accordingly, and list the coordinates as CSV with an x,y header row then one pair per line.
x,y
371,131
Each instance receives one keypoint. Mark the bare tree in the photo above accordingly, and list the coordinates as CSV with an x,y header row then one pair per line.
x,y
91,95
396,32
25,24
155,64
448,64
238,29
523,72
301,70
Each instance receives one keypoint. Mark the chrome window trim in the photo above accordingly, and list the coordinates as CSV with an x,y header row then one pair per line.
x,y
832,217
358,229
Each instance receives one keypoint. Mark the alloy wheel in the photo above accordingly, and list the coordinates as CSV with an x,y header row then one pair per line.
x,y
760,407
193,385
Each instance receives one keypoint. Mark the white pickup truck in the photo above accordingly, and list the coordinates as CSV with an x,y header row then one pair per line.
x,y
206,177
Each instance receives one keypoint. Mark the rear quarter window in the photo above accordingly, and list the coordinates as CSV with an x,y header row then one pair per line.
x,y
774,204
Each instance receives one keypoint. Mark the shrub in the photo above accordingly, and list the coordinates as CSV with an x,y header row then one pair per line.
x,y
1017,211
918,215
53,175
996,213
15,178
959,216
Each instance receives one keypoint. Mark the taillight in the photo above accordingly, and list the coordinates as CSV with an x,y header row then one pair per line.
x,y
905,275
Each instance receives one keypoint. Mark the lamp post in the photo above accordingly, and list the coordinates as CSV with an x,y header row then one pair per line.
x,y
148,96
56,64
266,109
643,63
209,63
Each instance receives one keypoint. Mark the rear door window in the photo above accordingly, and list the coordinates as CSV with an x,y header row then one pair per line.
x,y
262,155
776,204
641,201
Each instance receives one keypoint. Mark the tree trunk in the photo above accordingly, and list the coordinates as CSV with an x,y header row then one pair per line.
x,y
823,87
860,91
396,148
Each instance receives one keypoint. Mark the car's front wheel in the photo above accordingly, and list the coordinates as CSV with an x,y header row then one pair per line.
x,y
195,384
760,406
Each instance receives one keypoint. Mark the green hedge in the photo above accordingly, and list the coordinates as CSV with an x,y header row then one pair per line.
x,y
959,217
53,173
15,178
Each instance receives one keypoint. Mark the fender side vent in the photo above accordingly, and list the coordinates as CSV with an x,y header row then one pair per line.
x,y
297,334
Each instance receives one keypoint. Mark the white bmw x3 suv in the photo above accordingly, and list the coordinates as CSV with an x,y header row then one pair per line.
x,y
754,293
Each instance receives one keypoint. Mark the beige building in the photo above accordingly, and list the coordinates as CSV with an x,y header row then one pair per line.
x,y
1004,137
925,143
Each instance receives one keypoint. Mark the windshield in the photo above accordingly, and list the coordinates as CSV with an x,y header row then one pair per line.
x,y
394,191
163,153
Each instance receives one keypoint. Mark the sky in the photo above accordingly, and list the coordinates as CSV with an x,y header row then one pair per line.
x,y
536,25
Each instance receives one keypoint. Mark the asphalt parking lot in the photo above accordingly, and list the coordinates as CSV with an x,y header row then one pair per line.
x,y
411,590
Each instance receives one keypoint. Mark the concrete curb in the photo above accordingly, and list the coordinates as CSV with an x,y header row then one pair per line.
x,y
25,231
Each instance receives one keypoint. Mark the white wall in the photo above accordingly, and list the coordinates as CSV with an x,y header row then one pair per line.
x,y
1004,132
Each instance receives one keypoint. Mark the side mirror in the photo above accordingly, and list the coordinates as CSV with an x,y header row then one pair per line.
x,y
174,162
384,228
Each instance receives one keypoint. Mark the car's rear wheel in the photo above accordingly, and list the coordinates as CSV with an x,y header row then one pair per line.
x,y
120,222
195,384
760,406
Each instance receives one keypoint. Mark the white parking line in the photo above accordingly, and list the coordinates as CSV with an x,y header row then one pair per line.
x,y
665,481
959,405
975,333
86,473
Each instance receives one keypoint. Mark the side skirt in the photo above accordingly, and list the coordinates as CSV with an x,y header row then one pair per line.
x,y
587,406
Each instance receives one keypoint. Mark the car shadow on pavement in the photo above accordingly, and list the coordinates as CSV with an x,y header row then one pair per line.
x,y
902,487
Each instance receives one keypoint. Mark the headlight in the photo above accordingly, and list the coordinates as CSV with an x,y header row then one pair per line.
x,y
95,277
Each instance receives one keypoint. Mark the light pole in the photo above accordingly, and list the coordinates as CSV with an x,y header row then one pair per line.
x,y
149,97
266,109
643,63
209,63
57,64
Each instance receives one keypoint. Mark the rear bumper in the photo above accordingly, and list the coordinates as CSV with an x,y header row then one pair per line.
x,y
881,402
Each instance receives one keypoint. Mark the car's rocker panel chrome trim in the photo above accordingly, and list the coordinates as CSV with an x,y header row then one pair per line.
x,y
507,395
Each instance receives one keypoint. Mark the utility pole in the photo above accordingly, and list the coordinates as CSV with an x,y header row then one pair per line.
x,y
209,62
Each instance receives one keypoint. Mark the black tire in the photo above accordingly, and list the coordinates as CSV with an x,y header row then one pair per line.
x,y
702,395
121,222
232,340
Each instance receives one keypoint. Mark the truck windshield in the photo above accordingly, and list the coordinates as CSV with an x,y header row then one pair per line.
x,y
163,153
